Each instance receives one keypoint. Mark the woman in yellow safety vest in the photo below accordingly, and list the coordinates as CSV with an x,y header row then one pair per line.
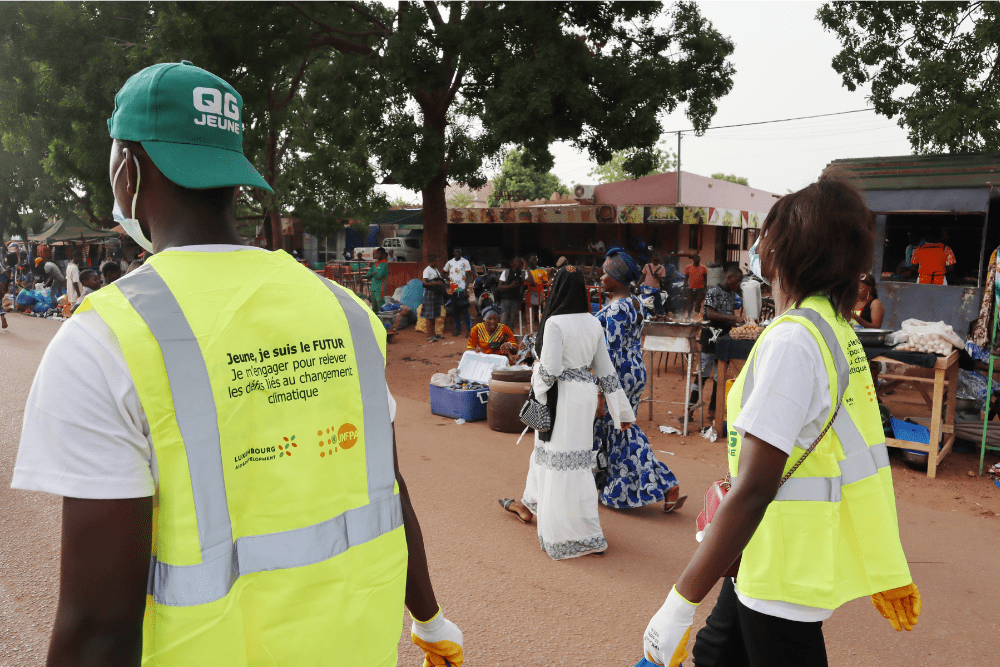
x,y
810,519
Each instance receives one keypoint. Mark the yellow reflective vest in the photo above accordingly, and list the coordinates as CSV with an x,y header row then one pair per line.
x,y
831,533
277,526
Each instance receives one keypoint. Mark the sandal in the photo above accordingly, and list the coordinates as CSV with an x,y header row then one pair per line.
x,y
506,503
671,505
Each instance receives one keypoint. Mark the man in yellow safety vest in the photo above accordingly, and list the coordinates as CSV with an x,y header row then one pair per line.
x,y
227,456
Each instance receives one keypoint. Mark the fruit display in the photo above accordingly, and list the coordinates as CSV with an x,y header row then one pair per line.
x,y
932,344
746,331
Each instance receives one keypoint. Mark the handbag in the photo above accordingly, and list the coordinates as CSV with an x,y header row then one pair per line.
x,y
720,487
535,415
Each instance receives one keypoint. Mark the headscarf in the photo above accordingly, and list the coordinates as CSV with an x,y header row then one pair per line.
x,y
567,295
489,310
620,266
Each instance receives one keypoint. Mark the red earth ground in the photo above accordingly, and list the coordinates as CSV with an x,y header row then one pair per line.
x,y
516,606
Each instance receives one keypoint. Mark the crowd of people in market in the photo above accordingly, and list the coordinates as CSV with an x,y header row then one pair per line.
x,y
34,282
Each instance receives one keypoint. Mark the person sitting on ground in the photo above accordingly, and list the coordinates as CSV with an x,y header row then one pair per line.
x,y
868,311
491,337
90,281
404,317
24,279
110,272
434,291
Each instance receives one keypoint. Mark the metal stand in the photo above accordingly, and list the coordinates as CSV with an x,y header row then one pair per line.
x,y
684,347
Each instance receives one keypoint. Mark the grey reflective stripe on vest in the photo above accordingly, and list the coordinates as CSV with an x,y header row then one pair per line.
x,y
374,395
224,561
861,461
194,405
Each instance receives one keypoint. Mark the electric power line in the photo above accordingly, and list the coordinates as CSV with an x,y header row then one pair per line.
x,y
779,120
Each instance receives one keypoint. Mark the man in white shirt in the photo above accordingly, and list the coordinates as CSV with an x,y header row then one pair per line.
x,y
459,270
74,288
460,274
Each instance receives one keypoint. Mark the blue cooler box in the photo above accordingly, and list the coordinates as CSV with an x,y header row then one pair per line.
x,y
469,405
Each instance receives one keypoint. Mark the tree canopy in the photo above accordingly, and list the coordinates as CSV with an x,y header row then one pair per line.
x,y
936,65
732,178
464,80
461,199
614,169
341,95
519,179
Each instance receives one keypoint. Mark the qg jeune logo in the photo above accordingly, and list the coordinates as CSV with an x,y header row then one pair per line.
x,y
217,111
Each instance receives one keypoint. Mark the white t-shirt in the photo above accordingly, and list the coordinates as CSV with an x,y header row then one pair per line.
x,y
457,271
430,273
788,407
89,438
72,276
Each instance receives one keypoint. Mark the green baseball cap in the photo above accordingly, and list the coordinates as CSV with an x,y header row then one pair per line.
x,y
190,123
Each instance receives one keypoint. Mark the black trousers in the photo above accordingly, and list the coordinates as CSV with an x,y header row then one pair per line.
x,y
737,636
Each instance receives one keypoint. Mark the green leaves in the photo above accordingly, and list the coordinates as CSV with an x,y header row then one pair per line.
x,y
634,164
519,179
732,178
936,65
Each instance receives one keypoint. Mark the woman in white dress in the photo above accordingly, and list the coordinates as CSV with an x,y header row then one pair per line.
x,y
560,488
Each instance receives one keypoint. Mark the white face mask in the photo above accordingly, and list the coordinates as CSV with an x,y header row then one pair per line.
x,y
755,262
131,225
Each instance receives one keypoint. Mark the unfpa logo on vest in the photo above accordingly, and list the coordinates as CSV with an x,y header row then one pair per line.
x,y
344,437
218,111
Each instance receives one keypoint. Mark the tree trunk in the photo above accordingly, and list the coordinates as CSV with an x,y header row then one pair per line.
x,y
435,219
265,226
277,236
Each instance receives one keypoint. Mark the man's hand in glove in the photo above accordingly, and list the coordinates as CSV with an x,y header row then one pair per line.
x,y
901,606
440,640
666,635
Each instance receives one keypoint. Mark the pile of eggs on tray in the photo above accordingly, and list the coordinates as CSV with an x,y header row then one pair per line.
x,y
925,343
746,331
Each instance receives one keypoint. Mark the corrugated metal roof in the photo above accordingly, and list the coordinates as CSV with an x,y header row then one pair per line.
x,y
912,172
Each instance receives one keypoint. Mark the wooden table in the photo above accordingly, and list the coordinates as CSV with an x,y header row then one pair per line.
x,y
944,388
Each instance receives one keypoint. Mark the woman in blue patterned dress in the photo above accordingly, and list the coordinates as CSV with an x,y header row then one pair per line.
x,y
635,476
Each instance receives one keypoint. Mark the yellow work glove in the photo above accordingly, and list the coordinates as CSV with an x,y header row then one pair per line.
x,y
901,606
440,640
666,637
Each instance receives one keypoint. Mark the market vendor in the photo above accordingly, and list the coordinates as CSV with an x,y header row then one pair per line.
x,y
720,308
934,260
491,337
868,311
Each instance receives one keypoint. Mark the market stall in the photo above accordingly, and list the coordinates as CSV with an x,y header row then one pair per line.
x,y
921,199
943,382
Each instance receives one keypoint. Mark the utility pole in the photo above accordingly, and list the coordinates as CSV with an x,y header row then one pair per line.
x,y
678,169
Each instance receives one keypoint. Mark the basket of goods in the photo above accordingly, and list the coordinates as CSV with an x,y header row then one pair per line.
x,y
930,343
746,331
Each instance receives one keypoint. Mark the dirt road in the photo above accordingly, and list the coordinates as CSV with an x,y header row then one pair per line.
x,y
515,605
